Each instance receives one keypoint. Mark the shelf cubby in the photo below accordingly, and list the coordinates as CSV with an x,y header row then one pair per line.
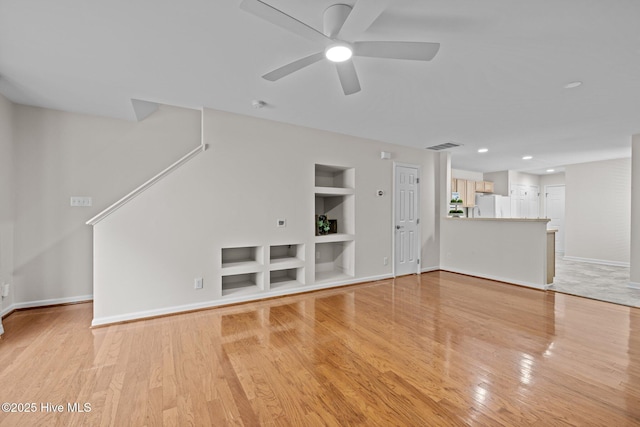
x,y
334,176
244,259
334,261
242,284
282,257
291,277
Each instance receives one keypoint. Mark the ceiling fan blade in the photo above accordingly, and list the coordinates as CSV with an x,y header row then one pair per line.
x,y
362,15
281,19
417,51
294,66
348,77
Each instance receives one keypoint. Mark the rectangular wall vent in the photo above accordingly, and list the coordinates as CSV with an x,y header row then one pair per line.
x,y
443,146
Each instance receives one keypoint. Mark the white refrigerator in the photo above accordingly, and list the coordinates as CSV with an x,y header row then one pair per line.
x,y
492,206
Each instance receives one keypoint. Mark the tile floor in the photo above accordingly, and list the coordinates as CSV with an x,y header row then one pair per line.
x,y
601,282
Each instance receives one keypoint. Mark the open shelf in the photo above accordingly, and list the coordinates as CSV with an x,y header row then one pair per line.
x,y
244,259
339,208
336,237
334,261
289,278
331,276
241,284
332,191
282,257
334,176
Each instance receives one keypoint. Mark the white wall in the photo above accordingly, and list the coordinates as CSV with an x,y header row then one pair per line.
x,y
598,211
523,178
468,175
635,212
500,182
6,199
256,171
58,155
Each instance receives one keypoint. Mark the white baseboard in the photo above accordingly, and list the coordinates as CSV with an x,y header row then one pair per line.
x,y
634,285
7,310
498,278
597,261
45,302
428,269
127,317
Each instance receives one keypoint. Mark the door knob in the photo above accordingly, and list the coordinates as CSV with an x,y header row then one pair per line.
x,y
398,227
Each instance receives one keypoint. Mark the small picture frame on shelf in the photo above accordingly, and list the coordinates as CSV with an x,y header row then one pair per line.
x,y
333,226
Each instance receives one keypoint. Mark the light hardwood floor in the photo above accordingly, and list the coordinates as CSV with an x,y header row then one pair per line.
x,y
436,349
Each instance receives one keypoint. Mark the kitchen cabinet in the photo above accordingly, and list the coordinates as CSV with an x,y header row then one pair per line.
x,y
470,195
467,191
484,187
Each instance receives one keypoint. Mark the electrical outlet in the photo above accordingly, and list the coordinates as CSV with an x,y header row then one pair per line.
x,y
4,291
385,261
198,283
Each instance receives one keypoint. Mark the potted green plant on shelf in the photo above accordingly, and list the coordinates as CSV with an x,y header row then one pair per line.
x,y
323,225
456,212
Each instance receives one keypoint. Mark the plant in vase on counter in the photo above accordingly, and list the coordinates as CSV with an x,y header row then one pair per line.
x,y
456,211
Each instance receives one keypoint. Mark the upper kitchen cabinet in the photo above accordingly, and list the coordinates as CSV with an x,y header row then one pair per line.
x,y
467,191
484,187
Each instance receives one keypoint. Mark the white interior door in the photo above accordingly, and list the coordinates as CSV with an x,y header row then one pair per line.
x,y
519,203
554,207
533,202
407,243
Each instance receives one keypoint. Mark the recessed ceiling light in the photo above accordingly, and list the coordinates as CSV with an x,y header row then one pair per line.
x,y
551,170
338,52
527,157
572,85
482,150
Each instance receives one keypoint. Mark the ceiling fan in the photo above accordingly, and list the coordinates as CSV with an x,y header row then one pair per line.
x,y
341,25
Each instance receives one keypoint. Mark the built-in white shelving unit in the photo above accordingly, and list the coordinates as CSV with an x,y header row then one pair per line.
x,y
335,198
242,270
274,268
286,266
250,270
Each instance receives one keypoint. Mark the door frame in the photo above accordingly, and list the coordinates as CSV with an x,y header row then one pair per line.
x,y
393,216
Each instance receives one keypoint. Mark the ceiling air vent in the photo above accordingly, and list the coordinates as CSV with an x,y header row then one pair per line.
x,y
443,146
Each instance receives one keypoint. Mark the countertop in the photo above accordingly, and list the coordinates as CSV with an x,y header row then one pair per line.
x,y
501,219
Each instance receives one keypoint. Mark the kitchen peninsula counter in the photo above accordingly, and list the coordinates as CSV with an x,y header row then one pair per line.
x,y
512,250
544,220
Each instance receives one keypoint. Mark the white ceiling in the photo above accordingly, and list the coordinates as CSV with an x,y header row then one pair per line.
x,y
497,81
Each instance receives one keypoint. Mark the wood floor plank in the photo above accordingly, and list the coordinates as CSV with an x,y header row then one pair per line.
x,y
435,349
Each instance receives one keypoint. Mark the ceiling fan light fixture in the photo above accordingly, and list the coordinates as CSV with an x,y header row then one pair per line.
x,y
338,52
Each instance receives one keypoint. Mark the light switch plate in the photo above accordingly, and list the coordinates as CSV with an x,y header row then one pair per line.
x,y
81,201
